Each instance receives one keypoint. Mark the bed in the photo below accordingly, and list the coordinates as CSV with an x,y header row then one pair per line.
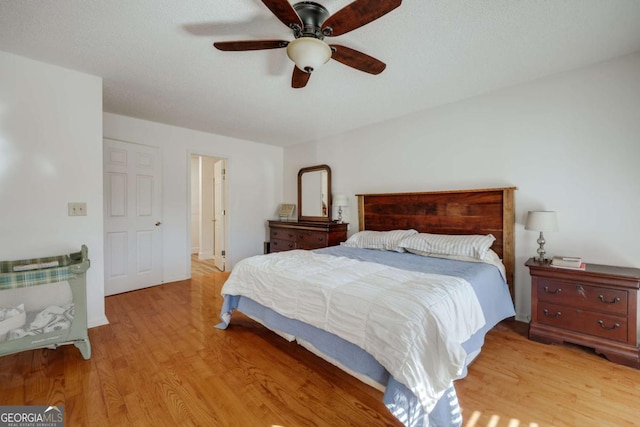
x,y
357,323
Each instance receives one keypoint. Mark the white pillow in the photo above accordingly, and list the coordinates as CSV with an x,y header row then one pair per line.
x,y
382,240
490,258
473,245
11,318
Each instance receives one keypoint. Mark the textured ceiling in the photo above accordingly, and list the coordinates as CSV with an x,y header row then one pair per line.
x,y
157,61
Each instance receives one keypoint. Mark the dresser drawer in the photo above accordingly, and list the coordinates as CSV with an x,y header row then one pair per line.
x,y
279,245
587,297
587,322
288,235
311,239
282,234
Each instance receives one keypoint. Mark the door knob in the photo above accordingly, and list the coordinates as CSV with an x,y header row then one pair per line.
x,y
158,223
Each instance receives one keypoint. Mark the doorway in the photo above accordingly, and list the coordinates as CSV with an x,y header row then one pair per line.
x,y
208,221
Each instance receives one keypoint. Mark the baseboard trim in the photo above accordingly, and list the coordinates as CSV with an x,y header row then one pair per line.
x,y
100,321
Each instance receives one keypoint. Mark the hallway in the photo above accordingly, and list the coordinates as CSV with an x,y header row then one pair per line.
x,y
202,267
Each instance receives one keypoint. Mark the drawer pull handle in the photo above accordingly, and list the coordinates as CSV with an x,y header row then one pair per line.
x,y
546,313
557,291
613,301
615,325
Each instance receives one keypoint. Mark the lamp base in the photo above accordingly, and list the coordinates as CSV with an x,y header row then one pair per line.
x,y
541,251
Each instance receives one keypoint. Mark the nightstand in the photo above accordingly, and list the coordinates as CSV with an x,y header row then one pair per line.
x,y
596,307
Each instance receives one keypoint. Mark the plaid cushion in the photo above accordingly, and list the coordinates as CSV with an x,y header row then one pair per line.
x,y
10,279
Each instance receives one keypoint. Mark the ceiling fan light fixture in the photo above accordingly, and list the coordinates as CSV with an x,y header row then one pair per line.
x,y
308,53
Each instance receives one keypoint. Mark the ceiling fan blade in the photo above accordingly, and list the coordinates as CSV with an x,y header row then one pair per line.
x,y
250,45
299,78
358,60
357,14
283,10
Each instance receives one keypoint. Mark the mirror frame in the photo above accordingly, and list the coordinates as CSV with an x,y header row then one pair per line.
x,y
317,168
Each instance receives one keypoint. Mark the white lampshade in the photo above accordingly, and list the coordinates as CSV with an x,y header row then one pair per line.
x,y
340,200
308,53
542,221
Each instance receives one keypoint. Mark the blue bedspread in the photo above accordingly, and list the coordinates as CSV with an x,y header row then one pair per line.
x,y
485,279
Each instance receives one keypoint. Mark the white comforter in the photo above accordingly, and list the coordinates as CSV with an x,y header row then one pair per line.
x,y
412,323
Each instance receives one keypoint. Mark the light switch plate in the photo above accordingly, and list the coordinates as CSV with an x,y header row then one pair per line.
x,y
77,209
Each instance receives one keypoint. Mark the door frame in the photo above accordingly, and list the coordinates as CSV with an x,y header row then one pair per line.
x,y
226,196
220,214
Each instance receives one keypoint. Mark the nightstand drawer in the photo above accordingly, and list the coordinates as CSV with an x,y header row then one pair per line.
x,y
282,234
587,297
311,240
279,245
586,322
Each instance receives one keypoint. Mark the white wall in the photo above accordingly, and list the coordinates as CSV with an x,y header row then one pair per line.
x,y
51,154
254,186
569,142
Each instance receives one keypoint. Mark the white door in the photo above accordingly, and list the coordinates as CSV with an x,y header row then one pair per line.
x,y
219,218
132,221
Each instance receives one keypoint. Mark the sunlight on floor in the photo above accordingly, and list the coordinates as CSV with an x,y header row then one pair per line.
x,y
493,421
473,422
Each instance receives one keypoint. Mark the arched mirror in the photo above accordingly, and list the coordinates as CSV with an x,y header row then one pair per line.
x,y
314,194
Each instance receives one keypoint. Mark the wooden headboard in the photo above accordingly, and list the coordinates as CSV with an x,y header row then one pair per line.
x,y
479,211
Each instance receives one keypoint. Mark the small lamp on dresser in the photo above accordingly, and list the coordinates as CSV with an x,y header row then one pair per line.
x,y
340,200
541,221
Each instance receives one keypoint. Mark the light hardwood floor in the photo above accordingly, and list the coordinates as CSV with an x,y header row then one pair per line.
x,y
160,362
202,267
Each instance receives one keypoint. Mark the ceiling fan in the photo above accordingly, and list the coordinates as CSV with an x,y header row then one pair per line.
x,y
311,23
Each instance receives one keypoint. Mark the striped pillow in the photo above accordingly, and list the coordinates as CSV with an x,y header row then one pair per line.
x,y
473,245
382,240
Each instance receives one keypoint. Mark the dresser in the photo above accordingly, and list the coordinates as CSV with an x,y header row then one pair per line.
x,y
288,235
596,307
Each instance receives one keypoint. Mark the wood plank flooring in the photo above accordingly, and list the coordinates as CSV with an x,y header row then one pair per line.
x,y
201,267
160,362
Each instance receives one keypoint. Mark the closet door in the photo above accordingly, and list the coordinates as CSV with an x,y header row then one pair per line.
x,y
132,221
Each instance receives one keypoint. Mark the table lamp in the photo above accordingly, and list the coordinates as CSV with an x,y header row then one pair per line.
x,y
340,200
541,221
